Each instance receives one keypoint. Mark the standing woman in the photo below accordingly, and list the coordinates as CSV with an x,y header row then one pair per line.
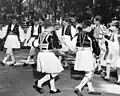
x,y
84,59
115,27
13,35
113,57
111,45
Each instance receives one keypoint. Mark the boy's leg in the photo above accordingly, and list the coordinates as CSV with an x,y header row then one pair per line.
x,y
31,54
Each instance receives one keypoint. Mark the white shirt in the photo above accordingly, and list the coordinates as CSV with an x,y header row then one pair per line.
x,y
36,30
21,32
12,26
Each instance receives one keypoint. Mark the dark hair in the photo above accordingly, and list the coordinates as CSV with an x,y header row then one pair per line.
x,y
47,24
36,18
79,29
98,18
116,24
56,42
86,23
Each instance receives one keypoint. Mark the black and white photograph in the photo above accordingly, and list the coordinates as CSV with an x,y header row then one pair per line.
x,y
59,47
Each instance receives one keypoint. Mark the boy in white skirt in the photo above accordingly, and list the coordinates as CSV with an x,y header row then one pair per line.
x,y
32,33
47,62
84,59
13,35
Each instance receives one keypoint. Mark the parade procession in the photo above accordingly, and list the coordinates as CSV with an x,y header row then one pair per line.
x,y
70,49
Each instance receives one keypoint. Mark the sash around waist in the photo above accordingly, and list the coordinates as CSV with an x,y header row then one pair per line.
x,y
34,35
83,48
43,50
12,33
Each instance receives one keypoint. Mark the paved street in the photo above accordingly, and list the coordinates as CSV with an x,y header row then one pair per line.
x,y
18,81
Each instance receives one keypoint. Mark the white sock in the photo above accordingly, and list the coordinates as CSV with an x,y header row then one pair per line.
x,y
42,80
108,71
82,83
13,58
52,85
28,59
6,58
90,87
86,79
118,74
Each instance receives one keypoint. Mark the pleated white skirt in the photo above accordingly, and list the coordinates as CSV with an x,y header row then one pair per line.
x,y
48,62
12,42
84,60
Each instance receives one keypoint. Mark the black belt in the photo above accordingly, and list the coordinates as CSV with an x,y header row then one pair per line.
x,y
34,35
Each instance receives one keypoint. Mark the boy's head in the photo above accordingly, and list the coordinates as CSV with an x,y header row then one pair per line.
x,y
97,19
86,25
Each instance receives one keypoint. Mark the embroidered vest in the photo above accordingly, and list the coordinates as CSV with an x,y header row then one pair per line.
x,y
43,42
14,31
39,30
67,31
82,40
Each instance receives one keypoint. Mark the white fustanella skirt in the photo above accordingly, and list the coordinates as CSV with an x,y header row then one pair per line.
x,y
12,42
47,62
84,60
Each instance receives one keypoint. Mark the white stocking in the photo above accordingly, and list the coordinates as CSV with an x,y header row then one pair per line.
x,y
52,85
86,79
118,74
90,87
43,80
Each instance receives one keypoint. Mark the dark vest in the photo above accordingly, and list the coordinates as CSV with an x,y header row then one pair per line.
x,y
15,30
67,31
45,38
82,40
51,40
39,30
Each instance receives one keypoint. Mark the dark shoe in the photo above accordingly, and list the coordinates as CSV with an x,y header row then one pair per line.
x,y
98,72
94,93
39,90
78,92
34,65
106,79
3,64
103,74
118,83
36,82
52,92
25,65
13,64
